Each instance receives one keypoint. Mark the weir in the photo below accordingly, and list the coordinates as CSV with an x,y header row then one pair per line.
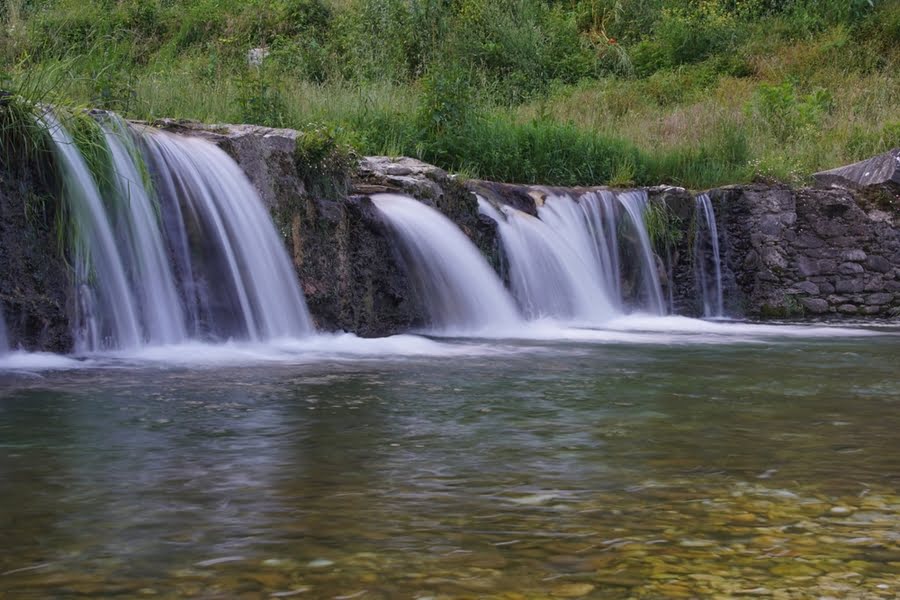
x,y
458,289
231,278
707,261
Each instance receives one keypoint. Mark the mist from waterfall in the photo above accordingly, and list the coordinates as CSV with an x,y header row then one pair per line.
x,y
458,289
707,260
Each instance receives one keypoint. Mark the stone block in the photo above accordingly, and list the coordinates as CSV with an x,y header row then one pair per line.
x,y
850,268
807,287
817,306
827,266
878,264
853,255
880,298
848,309
849,286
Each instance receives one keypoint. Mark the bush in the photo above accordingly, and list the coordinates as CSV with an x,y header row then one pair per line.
x,y
785,112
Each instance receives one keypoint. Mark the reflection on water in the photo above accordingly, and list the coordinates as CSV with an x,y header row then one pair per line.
x,y
595,470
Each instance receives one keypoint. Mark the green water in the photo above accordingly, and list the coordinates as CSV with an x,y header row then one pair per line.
x,y
533,471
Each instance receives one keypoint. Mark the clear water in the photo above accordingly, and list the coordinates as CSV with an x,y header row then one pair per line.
x,y
657,459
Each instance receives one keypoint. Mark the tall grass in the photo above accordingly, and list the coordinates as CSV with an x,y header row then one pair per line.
x,y
691,92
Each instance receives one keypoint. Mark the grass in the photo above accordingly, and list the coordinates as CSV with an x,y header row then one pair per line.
x,y
690,92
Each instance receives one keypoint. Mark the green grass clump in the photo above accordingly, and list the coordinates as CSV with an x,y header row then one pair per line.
x,y
694,92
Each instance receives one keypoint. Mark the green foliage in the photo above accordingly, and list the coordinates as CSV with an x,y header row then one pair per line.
x,y
490,88
259,100
323,161
664,228
786,112
687,34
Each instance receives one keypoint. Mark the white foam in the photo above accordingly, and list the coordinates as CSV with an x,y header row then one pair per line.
x,y
38,361
652,329
323,347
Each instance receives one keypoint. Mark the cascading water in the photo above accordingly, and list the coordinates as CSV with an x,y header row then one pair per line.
x,y
706,251
106,313
136,219
635,203
234,269
205,217
459,290
567,263
547,274
4,339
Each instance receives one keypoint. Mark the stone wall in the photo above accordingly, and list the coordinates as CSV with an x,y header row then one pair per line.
x,y
812,251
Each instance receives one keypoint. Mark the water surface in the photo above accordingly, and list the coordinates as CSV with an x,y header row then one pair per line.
x,y
623,465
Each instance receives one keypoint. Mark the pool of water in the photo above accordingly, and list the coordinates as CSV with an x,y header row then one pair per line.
x,y
616,465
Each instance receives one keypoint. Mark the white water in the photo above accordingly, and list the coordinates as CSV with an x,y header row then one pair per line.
x,y
106,313
141,243
710,287
458,289
566,263
4,339
635,204
222,235
546,272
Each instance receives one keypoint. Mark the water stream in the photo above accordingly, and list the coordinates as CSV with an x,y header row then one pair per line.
x,y
170,243
568,262
612,470
458,289
707,261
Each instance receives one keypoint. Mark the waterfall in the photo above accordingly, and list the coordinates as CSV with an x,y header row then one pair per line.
x,y
635,203
568,262
194,256
136,219
459,290
106,313
706,247
234,270
4,339
548,275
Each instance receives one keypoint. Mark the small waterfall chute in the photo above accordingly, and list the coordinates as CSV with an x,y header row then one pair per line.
x,y
107,314
568,262
635,203
707,259
4,338
233,267
137,228
459,290
550,275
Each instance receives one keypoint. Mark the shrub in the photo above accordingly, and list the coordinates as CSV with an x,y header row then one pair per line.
x,y
785,112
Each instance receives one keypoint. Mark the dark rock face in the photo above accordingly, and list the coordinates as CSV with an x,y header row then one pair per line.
x,y
34,280
811,251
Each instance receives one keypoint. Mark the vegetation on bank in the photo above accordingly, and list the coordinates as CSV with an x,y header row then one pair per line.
x,y
690,92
